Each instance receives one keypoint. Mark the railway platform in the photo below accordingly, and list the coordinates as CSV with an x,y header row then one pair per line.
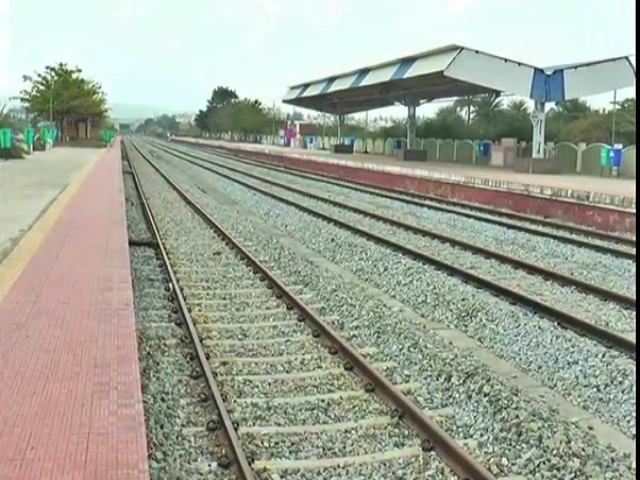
x,y
70,394
29,186
599,203
608,191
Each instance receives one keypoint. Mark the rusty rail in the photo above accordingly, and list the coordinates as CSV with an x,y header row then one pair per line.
x,y
589,288
449,205
434,438
567,320
227,430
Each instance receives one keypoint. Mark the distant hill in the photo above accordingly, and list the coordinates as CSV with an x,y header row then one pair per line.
x,y
127,111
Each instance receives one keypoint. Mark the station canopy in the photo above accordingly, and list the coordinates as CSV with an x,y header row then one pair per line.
x,y
457,71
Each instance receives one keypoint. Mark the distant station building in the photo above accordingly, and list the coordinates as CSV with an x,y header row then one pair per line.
x,y
456,71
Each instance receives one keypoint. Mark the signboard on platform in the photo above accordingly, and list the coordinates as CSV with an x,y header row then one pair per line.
x,y
311,141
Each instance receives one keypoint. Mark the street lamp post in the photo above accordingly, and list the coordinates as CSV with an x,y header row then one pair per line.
x,y
613,117
366,132
273,123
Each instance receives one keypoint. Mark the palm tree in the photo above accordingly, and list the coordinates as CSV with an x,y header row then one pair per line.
x,y
466,106
487,108
573,109
518,105
447,113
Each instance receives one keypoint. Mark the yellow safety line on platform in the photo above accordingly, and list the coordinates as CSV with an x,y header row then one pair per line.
x,y
15,263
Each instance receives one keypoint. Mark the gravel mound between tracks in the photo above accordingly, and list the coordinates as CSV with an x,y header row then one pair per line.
x,y
285,423
601,312
597,379
179,447
525,435
598,268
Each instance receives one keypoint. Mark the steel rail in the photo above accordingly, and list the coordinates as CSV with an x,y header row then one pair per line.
x,y
226,430
434,438
565,319
419,199
592,289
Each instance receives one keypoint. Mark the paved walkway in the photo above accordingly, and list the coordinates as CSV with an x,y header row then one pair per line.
x,y
28,186
463,173
70,396
610,186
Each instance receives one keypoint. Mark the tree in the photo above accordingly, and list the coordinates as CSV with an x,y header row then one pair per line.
x,y
591,127
168,124
488,109
466,105
62,95
245,117
625,121
518,106
201,120
295,116
159,126
571,110
446,123
514,121
220,97
9,120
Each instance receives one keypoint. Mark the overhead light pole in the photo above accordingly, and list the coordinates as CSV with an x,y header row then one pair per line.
x,y
613,117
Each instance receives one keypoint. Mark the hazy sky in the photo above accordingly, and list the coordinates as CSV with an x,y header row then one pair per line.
x,y
172,53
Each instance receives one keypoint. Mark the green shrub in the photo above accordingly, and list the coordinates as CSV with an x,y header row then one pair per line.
x,y
15,152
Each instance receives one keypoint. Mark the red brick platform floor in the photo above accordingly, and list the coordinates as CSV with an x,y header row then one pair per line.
x,y
70,397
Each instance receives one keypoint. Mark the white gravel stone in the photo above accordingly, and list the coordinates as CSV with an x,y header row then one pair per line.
x,y
514,432
302,399
594,267
169,395
601,312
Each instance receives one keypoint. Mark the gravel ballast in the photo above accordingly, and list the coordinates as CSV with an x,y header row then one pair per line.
x,y
599,311
518,434
179,447
557,226
250,337
599,268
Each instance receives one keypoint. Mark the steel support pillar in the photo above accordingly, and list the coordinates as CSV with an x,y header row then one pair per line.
x,y
411,125
340,125
538,120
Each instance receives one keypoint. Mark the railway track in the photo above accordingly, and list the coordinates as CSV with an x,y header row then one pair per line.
x,y
293,399
449,378
179,447
530,291
610,243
